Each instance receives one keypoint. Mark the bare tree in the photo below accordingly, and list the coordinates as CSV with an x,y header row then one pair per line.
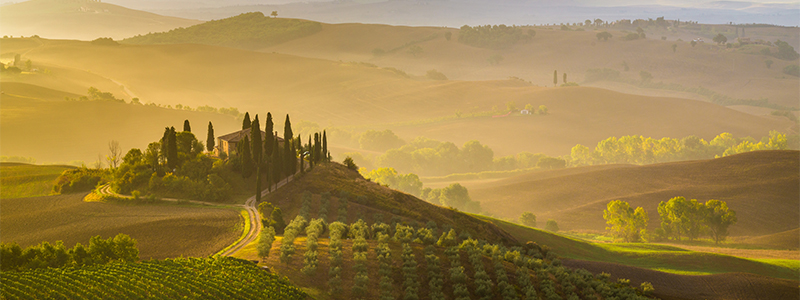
x,y
99,163
115,154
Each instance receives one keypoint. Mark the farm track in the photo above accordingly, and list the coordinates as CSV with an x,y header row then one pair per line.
x,y
251,206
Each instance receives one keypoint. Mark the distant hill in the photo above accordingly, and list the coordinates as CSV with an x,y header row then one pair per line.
x,y
246,31
762,187
81,19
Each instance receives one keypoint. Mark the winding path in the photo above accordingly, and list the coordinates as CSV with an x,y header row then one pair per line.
x,y
250,206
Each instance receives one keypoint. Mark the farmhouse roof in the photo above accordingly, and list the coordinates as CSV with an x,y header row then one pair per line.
x,y
237,136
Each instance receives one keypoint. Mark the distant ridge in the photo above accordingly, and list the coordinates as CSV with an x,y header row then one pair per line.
x,y
81,19
247,31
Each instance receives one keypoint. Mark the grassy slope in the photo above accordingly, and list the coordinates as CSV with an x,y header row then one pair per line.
x,y
85,20
161,231
651,256
731,72
24,180
91,125
333,178
261,82
762,187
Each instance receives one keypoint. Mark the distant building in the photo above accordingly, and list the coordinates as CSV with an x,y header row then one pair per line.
x,y
227,143
525,112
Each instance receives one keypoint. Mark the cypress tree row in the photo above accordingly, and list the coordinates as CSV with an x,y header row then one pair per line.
x,y
210,141
186,126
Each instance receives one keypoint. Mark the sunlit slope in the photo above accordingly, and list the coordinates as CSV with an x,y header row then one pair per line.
x,y
731,72
588,115
19,180
63,131
81,19
347,94
762,187
161,231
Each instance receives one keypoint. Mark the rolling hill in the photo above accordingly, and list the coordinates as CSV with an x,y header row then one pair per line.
x,y
762,187
161,231
81,19
81,130
258,82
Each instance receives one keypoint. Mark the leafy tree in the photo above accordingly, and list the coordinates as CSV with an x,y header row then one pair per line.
x,y
408,183
348,162
528,219
718,219
681,217
379,140
246,122
274,14
210,140
720,39
551,226
624,222
186,126
793,70
603,35
265,240
785,51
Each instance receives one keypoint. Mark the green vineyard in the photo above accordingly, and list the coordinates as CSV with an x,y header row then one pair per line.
x,y
191,278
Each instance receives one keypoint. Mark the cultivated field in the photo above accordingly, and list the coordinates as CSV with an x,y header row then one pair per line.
x,y
24,180
760,186
161,231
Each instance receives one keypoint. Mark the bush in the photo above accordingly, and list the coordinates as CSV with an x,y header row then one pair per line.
x,y
551,226
528,219
79,180
348,162
793,70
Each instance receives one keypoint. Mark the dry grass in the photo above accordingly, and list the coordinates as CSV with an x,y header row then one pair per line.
x,y
161,231
762,187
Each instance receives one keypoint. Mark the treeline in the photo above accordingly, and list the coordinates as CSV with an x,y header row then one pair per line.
x,y
679,218
493,36
95,94
454,195
249,31
633,149
45,255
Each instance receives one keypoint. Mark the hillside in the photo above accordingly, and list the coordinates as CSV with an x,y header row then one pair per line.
x,y
82,129
762,187
161,231
246,31
197,75
737,73
81,19
25,180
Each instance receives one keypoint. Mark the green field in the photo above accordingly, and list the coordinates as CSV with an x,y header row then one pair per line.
x,y
24,180
206,278
653,256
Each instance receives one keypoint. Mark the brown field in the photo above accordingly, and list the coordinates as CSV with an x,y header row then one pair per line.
x,y
762,187
732,72
719,286
789,239
161,231
85,20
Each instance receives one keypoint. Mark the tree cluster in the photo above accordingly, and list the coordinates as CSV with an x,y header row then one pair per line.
x,y
289,235
455,195
45,255
624,222
492,36
640,150
314,230
690,218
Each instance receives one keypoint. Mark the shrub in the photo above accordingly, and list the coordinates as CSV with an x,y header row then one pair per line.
x,y
793,70
551,226
348,162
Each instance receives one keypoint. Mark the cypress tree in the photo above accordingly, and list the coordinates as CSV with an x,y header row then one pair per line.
x,y
277,164
317,147
246,121
210,139
287,129
164,153
247,161
269,137
311,153
172,150
325,154
186,126
255,141
555,77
